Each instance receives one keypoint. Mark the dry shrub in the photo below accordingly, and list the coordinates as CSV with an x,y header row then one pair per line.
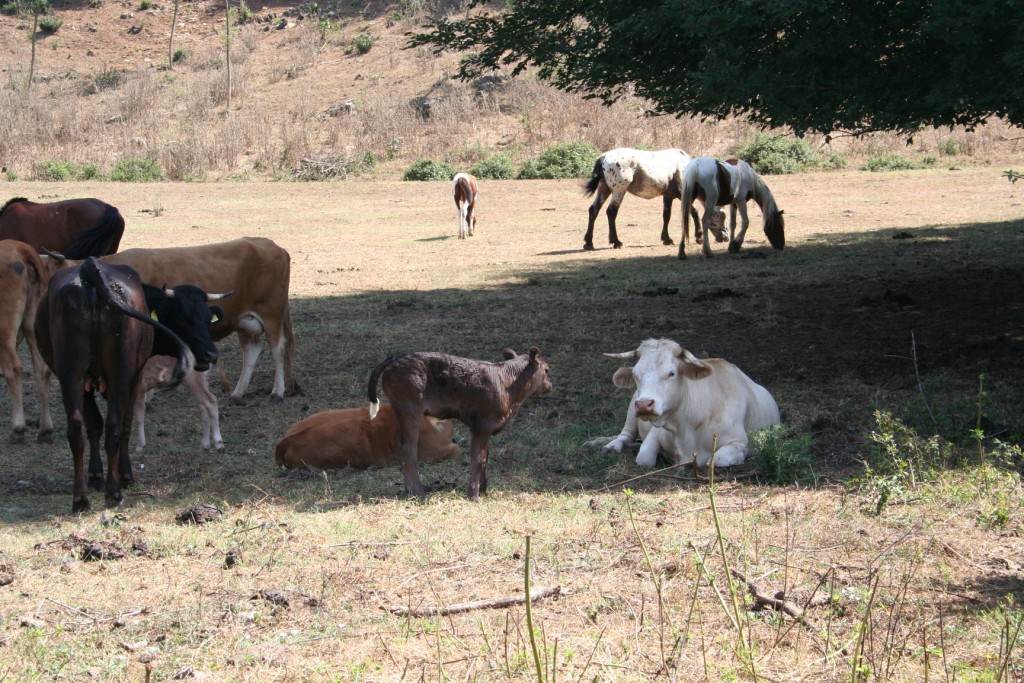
x,y
138,98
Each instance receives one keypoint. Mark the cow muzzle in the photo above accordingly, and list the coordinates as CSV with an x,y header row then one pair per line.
x,y
645,408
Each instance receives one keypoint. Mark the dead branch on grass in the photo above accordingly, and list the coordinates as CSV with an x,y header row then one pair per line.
x,y
535,595
778,604
641,476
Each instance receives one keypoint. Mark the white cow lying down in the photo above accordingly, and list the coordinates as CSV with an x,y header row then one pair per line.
x,y
682,402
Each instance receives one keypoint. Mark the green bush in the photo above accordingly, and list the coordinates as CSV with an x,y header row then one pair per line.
x,y
89,172
147,4
11,8
498,167
835,162
363,42
179,55
568,160
428,169
774,155
50,23
889,162
136,171
782,458
58,171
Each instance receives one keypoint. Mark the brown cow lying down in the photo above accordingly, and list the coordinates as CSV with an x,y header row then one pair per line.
x,y
334,439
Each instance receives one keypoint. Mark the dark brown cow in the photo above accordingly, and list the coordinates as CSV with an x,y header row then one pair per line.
x,y
95,333
335,439
257,270
23,278
484,396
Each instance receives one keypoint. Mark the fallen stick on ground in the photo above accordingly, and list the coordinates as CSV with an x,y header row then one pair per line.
x,y
470,606
777,604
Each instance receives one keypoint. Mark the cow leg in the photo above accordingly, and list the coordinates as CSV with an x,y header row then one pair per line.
x,y
594,211
737,242
613,211
197,384
119,465
10,365
278,349
41,373
249,338
73,401
139,418
478,465
93,430
666,216
409,434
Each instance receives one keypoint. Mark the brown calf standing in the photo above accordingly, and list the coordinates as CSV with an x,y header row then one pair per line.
x,y
335,439
484,396
464,189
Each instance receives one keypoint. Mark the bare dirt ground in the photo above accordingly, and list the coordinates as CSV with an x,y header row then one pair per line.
x,y
873,264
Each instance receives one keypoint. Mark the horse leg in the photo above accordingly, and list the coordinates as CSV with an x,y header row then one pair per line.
x,y
666,215
698,230
709,212
613,211
595,209
735,244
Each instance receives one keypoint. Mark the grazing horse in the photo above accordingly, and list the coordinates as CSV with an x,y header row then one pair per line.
x,y
732,183
465,188
76,228
639,172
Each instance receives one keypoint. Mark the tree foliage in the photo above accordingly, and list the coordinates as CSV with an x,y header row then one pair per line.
x,y
812,65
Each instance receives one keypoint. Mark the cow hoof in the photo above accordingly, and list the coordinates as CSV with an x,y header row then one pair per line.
x,y
45,437
275,399
616,245
18,436
80,506
668,242
588,246
220,448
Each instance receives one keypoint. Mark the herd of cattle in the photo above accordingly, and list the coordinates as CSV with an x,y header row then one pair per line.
x,y
110,323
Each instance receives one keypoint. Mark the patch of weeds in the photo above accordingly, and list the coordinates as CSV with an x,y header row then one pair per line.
x,y
835,162
12,8
773,154
782,457
568,160
180,55
428,169
57,171
136,171
147,4
363,43
50,23
890,162
89,172
950,147
106,79
334,168
497,167
10,176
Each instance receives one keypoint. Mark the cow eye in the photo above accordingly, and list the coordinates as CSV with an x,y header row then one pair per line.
x,y
671,374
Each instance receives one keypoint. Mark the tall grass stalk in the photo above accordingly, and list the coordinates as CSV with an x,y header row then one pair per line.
x,y
1008,637
663,615
746,652
857,672
529,615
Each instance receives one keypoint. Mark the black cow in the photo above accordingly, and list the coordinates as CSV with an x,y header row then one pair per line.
x,y
95,332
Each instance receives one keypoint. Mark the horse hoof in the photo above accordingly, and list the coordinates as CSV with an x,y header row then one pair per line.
x,y
236,401
96,482
667,242
734,247
275,399
616,245
588,246
45,437
80,506
114,500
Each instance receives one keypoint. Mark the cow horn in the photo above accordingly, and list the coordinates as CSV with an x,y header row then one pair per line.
x,y
628,355
59,258
218,297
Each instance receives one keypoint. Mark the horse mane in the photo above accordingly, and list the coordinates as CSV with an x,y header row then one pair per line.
x,y
12,200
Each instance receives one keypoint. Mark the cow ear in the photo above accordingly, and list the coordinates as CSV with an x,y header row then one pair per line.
x,y
694,368
534,353
623,377
508,354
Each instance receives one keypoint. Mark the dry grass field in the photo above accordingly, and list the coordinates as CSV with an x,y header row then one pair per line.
x,y
897,292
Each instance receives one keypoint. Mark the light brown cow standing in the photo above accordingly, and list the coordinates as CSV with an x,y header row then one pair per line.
x,y
465,188
335,439
23,278
258,271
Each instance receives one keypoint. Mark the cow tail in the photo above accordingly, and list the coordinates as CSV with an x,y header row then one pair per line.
x,y
371,387
92,273
101,239
595,178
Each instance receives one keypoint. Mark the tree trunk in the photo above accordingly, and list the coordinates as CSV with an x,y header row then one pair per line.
x,y
227,45
170,43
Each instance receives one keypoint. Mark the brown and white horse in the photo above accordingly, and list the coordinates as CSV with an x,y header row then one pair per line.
x,y
465,188
732,183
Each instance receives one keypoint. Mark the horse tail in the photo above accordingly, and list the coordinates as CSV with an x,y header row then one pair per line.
x,y
101,239
92,273
371,385
596,176
686,196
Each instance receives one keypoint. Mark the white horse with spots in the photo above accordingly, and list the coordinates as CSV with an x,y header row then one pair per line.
x,y
465,188
639,172
731,183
